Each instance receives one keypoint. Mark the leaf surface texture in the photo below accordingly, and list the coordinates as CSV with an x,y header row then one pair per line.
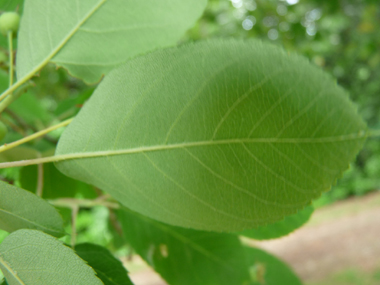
x,y
32,257
219,135
20,209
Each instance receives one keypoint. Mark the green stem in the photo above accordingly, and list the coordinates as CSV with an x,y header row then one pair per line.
x,y
11,60
34,136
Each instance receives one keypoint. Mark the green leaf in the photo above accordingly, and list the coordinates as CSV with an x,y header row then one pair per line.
x,y
183,256
20,209
32,257
267,269
221,135
281,228
91,37
109,269
55,184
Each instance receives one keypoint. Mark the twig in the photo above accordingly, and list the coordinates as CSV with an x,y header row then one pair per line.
x,y
34,136
40,179
83,203
74,215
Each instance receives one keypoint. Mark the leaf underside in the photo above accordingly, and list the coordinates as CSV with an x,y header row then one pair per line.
x,y
281,228
32,257
185,256
220,135
20,209
90,37
109,269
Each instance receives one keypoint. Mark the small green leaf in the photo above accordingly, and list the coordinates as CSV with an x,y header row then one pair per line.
x,y
267,269
281,228
183,256
91,37
109,269
20,209
32,257
221,135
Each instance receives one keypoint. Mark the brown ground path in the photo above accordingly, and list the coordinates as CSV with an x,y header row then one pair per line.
x,y
341,236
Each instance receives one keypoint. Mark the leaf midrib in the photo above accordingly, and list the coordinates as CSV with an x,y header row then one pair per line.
x,y
31,222
342,138
60,45
80,155
10,270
